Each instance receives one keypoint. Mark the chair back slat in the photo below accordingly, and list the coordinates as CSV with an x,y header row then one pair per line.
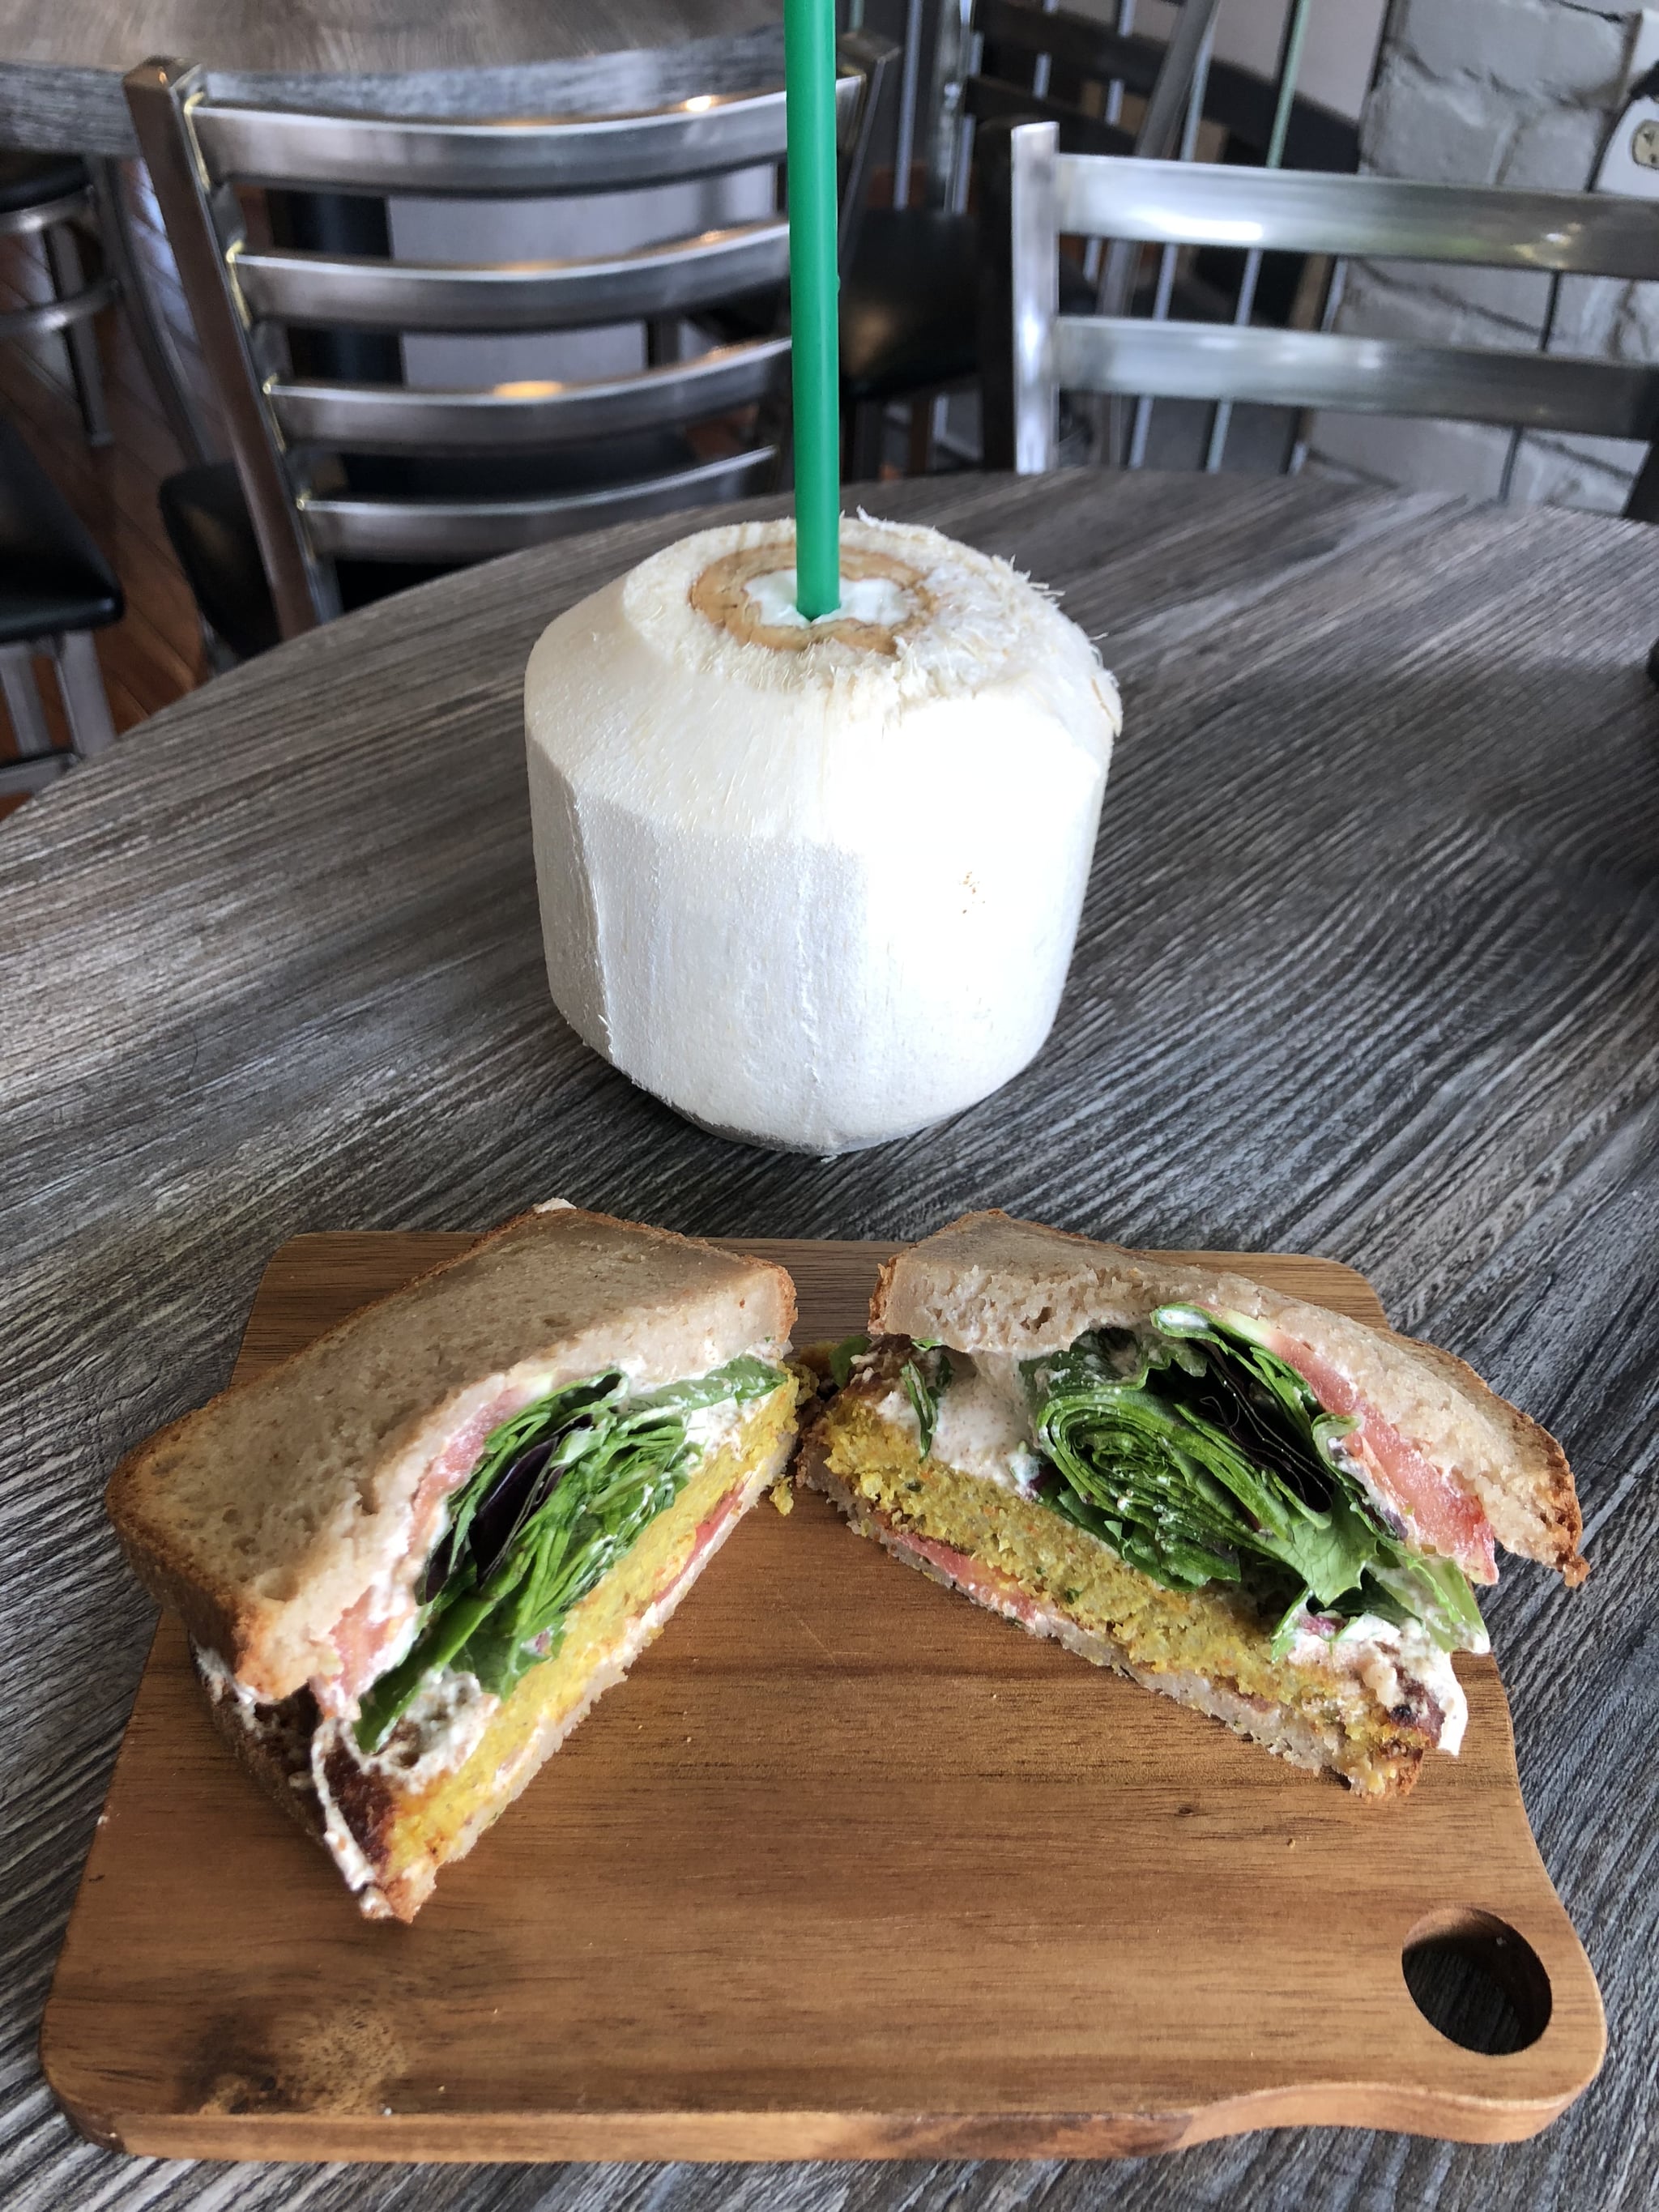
x,y
1360,375
373,293
535,156
1199,204
478,530
1078,44
1021,44
1031,194
392,418
986,99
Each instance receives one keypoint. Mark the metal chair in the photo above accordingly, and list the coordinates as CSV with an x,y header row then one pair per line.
x,y
51,196
336,471
1026,49
995,59
909,320
56,588
1032,193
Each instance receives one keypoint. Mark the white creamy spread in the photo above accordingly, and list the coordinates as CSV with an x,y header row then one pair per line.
x,y
709,1428
344,1847
221,1683
1390,1660
898,1412
983,1431
437,1733
863,598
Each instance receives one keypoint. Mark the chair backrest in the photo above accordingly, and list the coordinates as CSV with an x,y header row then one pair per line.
x,y
1032,194
1051,65
287,431
1024,44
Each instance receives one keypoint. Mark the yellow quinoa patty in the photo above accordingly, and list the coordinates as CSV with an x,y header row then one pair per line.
x,y
1213,1632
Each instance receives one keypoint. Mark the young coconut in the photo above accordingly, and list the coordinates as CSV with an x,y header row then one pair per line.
x,y
815,884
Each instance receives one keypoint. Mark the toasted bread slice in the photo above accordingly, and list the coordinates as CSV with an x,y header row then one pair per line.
x,y
390,1823
972,1503
305,1499
989,1283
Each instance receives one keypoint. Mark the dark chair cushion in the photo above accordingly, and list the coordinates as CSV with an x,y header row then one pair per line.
x,y
27,180
207,520
53,577
910,305
212,532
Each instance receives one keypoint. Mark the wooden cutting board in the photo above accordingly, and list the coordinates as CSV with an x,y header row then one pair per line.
x,y
849,1867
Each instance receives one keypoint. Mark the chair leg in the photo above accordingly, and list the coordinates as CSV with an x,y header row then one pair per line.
x,y
919,458
69,276
86,703
868,438
144,317
28,720
221,658
22,779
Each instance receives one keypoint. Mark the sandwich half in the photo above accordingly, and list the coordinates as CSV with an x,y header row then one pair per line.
x,y
411,1557
1257,1506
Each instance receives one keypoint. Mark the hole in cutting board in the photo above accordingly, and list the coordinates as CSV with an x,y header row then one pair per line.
x,y
1477,1982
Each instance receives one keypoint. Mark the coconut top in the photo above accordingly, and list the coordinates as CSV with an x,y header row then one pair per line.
x,y
942,621
690,691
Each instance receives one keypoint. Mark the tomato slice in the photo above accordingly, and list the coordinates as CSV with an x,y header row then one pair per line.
x,y
1439,1515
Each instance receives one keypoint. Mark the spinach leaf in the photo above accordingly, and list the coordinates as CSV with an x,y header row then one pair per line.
x,y
926,1376
560,1494
1201,1456
842,1358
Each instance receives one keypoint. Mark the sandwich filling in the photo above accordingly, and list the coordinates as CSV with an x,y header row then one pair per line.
x,y
1180,1499
549,1564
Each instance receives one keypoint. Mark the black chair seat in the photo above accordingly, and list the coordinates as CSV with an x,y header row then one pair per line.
x,y
28,181
52,576
909,304
211,531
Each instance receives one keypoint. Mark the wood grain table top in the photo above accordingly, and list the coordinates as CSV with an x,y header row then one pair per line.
x,y
61,65
1367,968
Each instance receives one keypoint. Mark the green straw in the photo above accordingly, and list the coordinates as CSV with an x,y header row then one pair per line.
x,y
809,69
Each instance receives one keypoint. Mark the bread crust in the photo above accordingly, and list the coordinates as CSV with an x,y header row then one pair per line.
x,y
270,1608
275,1751
991,1282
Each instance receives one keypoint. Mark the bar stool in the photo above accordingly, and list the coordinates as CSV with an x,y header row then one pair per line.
x,y
49,194
56,588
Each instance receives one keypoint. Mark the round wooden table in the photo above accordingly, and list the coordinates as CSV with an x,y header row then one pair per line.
x,y
1368,968
61,65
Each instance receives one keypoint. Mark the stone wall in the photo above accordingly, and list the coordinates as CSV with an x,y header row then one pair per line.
x,y
1494,92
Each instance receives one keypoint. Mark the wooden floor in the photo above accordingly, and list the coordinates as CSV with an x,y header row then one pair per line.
x,y
154,654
